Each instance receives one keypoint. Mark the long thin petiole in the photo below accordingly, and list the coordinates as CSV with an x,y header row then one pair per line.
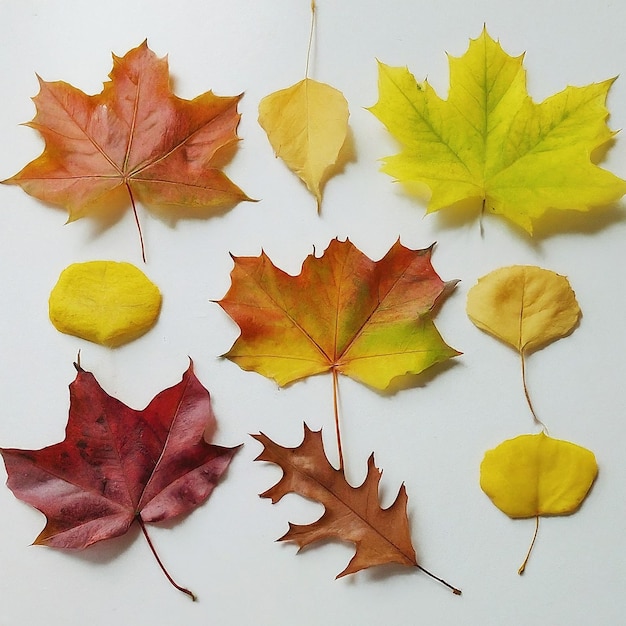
x,y
132,201
455,591
527,395
308,50
480,218
336,409
158,560
520,571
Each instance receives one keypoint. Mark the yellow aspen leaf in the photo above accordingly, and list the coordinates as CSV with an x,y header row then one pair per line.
x,y
490,143
536,475
307,125
525,306
106,302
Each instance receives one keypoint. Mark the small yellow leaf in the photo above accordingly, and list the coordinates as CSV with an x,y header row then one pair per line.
x,y
106,302
525,306
306,125
533,475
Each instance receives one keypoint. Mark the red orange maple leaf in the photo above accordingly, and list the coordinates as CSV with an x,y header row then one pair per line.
x,y
135,138
370,320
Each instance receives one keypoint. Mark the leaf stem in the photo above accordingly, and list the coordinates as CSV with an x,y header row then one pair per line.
x,y
455,591
522,568
480,219
158,560
336,409
308,51
132,201
527,395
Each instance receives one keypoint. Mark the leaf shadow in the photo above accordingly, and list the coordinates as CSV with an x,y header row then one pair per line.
x,y
553,223
347,154
104,215
387,570
105,551
460,214
416,381
590,222
172,214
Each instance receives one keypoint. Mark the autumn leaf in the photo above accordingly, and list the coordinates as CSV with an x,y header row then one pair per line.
x,y
351,514
344,313
106,302
536,475
490,143
134,139
307,125
117,465
525,306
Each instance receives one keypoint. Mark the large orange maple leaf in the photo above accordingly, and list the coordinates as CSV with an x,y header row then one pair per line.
x,y
135,138
369,320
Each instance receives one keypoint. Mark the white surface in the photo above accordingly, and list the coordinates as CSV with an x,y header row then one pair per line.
x,y
431,436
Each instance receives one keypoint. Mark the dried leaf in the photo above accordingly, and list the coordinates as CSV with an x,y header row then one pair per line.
x,y
105,302
536,475
343,313
307,125
135,138
370,320
118,465
351,513
490,143
525,306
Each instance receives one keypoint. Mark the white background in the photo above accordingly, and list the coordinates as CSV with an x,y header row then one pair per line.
x,y
430,435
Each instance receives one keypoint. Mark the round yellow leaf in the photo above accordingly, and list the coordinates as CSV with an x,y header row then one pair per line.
x,y
533,475
525,306
106,302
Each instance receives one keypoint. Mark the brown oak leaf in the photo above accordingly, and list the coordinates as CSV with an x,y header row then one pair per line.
x,y
118,465
351,513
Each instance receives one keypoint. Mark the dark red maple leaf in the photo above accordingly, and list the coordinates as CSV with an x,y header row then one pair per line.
x,y
118,465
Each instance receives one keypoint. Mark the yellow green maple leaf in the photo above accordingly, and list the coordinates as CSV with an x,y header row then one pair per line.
x,y
491,143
